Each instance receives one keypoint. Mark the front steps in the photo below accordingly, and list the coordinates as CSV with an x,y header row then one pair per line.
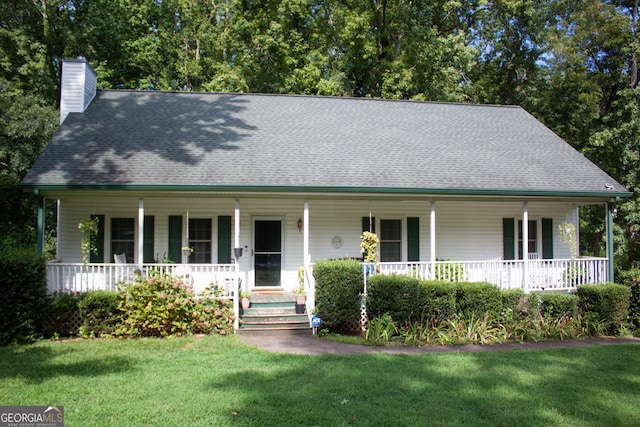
x,y
273,314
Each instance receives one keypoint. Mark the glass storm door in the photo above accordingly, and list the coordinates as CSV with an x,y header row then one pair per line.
x,y
267,252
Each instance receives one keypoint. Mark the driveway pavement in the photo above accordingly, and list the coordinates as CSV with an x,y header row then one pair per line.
x,y
309,344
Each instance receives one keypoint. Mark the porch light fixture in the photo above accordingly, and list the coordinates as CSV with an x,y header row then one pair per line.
x,y
300,225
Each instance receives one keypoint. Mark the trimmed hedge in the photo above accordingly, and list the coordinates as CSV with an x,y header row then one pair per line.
x,y
99,313
396,295
631,279
23,288
61,315
558,305
479,300
606,303
339,284
438,301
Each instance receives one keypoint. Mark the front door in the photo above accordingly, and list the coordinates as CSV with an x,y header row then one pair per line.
x,y
267,251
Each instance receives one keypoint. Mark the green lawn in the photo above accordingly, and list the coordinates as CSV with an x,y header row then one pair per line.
x,y
217,381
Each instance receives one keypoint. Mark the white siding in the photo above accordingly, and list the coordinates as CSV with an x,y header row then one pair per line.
x,y
464,230
78,87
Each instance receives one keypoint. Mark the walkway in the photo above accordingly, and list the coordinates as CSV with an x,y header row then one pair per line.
x,y
303,344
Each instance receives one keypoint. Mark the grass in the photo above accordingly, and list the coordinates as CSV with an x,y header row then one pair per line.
x,y
220,381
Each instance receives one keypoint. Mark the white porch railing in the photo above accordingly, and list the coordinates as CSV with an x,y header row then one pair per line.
x,y
530,275
78,278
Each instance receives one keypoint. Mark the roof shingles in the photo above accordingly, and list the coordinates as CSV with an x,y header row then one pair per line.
x,y
216,140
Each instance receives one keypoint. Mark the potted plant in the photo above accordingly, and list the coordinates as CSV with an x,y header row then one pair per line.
x,y
244,299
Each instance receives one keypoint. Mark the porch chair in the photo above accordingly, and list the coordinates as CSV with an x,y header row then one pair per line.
x,y
120,259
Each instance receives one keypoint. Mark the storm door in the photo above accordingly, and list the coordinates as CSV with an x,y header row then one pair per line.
x,y
267,251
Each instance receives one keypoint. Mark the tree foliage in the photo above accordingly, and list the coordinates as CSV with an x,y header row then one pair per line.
x,y
571,64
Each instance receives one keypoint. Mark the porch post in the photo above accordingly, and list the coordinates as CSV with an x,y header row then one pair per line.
x,y
305,237
140,233
40,230
236,228
525,245
609,227
432,239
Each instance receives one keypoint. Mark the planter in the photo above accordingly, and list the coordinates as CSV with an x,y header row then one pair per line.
x,y
300,308
301,299
246,302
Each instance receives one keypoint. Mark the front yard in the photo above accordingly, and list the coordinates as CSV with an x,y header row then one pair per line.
x,y
220,381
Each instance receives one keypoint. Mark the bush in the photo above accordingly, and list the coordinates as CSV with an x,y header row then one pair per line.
x,y
606,303
631,279
438,302
99,313
61,315
478,300
339,284
23,287
396,295
516,301
164,305
558,305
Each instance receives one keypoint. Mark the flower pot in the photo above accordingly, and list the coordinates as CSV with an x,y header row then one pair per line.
x,y
246,302
301,299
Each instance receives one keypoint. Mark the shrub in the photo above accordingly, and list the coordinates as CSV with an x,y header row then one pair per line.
x,y
99,313
339,284
23,287
61,315
438,301
478,300
558,305
516,301
605,303
396,295
164,305
631,279
381,330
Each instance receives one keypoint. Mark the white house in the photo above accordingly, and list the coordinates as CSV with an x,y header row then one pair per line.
x,y
261,185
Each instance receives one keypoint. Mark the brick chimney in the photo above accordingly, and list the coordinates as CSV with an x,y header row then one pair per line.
x,y
78,86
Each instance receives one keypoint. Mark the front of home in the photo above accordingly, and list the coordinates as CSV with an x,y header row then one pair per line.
x,y
242,190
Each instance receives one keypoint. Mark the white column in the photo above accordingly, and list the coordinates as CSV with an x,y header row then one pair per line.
x,y
305,224
236,232
432,239
525,245
140,233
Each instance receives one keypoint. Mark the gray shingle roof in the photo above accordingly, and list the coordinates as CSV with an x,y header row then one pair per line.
x,y
129,138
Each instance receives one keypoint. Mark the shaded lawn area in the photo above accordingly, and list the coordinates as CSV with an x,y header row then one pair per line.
x,y
221,381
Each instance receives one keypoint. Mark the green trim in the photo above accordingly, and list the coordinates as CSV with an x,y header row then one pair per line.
x,y
547,238
100,240
224,239
413,239
175,238
508,238
315,189
148,239
610,208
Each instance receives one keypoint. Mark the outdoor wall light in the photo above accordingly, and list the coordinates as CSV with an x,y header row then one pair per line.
x,y
300,224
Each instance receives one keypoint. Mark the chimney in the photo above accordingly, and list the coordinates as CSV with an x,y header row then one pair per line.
x,y
78,86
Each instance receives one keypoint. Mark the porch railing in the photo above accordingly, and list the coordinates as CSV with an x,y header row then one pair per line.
x,y
530,275
78,278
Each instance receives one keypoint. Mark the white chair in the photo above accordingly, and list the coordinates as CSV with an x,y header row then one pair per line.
x,y
120,258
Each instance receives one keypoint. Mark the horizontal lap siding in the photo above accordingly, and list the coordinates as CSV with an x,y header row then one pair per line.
x,y
464,230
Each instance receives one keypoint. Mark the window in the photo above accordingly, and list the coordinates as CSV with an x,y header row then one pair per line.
x,y
390,240
200,240
123,237
532,244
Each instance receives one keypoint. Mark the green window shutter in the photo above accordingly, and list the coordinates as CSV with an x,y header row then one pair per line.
x,y
547,238
365,224
508,238
175,238
148,243
413,239
99,257
224,240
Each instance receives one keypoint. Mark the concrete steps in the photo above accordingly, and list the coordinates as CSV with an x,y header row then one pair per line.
x,y
273,314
